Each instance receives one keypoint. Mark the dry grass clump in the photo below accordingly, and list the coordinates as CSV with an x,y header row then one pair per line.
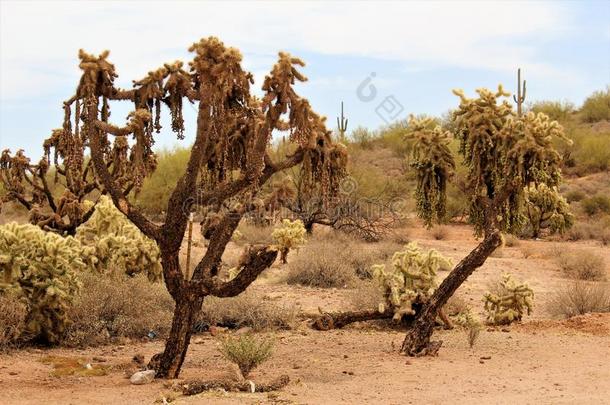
x,y
246,351
366,296
321,266
247,309
113,307
456,305
439,232
582,265
579,298
12,321
254,234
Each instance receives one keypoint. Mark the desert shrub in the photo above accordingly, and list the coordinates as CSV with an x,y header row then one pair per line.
x,y
155,192
13,314
508,301
579,298
575,196
455,305
597,204
320,266
556,110
589,153
118,244
582,265
289,235
366,296
597,229
597,106
363,137
254,234
245,310
511,240
41,268
439,232
246,351
110,307
410,280
471,324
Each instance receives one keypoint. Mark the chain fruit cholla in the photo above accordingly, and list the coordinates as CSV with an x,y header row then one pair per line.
x,y
411,280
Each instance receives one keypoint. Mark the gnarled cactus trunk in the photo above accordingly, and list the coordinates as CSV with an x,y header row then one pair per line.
x,y
417,341
170,361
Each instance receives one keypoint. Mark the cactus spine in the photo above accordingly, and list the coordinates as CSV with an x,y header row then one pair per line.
x,y
520,97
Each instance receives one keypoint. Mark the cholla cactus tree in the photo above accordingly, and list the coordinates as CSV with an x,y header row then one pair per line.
x,y
545,208
119,244
504,153
410,281
42,268
229,160
289,235
509,303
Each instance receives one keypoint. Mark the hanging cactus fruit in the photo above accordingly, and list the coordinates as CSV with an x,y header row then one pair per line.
x,y
410,281
41,268
509,303
118,244
289,235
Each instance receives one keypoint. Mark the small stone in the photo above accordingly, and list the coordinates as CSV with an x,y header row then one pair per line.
x,y
138,359
350,372
13,373
505,330
142,377
485,357
296,366
100,359
408,362
481,361
243,331
345,356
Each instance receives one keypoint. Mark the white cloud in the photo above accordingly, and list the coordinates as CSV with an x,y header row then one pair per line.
x,y
39,40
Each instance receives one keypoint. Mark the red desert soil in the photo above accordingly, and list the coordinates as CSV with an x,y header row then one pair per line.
x,y
541,361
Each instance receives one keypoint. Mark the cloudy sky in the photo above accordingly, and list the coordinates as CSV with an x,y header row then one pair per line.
x,y
383,59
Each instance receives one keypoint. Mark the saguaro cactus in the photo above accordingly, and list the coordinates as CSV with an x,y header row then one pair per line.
x,y
520,96
342,124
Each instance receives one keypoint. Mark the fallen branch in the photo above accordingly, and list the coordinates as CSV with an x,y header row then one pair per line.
x,y
194,387
337,320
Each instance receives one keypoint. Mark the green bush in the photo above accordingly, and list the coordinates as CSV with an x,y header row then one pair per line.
x,y
155,193
246,351
597,204
556,110
597,106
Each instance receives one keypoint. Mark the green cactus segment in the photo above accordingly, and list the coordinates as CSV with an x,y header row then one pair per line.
x,y
118,244
411,279
41,268
509,303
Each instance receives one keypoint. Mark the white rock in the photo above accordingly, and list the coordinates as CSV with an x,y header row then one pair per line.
x,y
142,377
